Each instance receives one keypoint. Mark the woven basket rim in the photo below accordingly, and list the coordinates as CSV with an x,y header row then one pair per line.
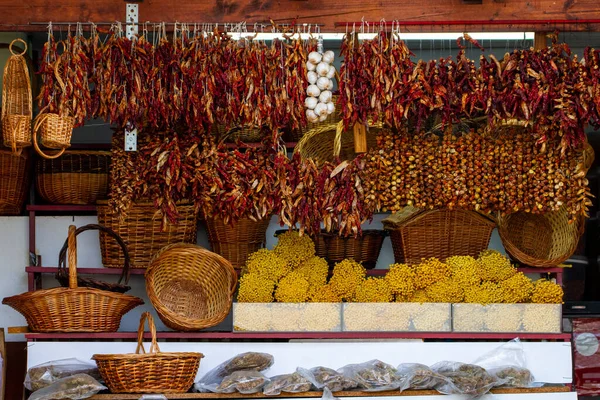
x,y
134,356
65,290
414,218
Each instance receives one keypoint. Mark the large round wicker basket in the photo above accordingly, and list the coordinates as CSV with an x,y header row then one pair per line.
x,y
190,287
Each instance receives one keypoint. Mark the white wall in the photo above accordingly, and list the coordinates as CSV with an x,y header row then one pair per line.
x,y
51,232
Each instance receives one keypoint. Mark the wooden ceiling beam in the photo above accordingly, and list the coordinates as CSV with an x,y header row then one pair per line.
x,y
514,15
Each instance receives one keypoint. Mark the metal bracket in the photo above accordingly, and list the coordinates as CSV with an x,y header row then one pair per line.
x,y
131,30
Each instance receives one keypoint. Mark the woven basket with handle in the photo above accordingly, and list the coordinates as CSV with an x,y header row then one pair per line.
x,y
440,233
237,241
190,287
153,372
142,233
540,240
14,181
77,177
73,309
16,100
328,142
62,275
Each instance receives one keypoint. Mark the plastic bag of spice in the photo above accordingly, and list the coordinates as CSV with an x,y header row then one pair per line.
x,y
508,364
323,377
245,382
468,379
242,362
75,387
288,383
420,377
44,375
373,376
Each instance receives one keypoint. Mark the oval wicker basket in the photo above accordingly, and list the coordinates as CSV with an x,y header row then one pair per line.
x,y
73,309
153,372
438,233
326,143
190,287
364,248
540,240
77,177
17,105
237,241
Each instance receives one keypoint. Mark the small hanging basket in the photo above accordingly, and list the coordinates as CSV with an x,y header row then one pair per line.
x,y
16,101
153,372
55,129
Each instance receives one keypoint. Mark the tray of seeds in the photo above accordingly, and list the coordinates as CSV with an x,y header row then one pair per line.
x,y
507,318
397,317
287,317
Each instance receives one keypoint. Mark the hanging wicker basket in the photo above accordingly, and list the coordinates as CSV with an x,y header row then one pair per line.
x,y
14,181
16,101
153,372
190,287
540,240
441,233
328,142
236,242
73,309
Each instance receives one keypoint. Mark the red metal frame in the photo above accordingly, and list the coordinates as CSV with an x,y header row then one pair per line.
x,y
84,271
507,22
566,337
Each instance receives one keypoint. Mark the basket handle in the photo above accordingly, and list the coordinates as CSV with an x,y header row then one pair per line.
x,y
140,343
72,243
124,274
18,40
39,120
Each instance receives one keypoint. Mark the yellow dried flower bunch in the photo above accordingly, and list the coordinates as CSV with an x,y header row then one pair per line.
x,y
445,291
548,292
295,249
464,270
324,294
419,296
347,276
315,270
516,289
255,289
373,290
401,279
267,264
494,267
293,288
486,293
430,271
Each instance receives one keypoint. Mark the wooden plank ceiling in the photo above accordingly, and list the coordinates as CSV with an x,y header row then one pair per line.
x,y
460,15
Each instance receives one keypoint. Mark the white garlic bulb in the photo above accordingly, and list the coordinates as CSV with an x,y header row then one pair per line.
x,y
310,102
321,109
314,57
322,118
330,108
328,56
313,91
331,72
312,77
325,96
323,83
322,69
310,66
311,116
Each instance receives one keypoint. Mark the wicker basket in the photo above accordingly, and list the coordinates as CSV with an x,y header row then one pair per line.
x,y
438,233
14,181
246,134
77,177
364,249
540,240
55,131
328,142
142,233
73,309
190,287
236,242
62,275
16,101
152,372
